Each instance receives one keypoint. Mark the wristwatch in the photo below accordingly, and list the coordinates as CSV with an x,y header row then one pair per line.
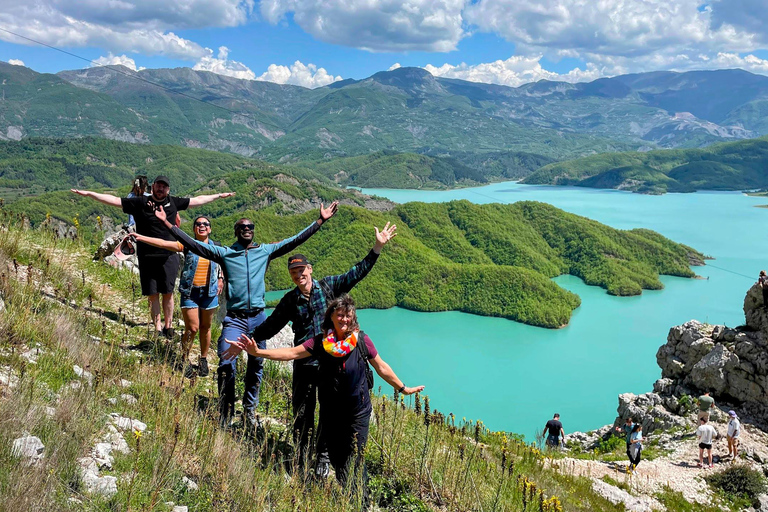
x,y
402,388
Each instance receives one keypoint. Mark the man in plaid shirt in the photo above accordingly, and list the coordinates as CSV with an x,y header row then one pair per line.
x,y
305,307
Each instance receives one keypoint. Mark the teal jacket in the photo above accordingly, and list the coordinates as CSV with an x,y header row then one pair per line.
x,y
244,267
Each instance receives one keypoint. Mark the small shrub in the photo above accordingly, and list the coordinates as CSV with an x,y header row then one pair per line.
x,y
739,482
685,404
610,445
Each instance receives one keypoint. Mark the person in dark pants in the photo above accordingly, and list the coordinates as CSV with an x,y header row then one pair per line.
x,y
635,446
627,429
555,429
343,353
304,307
763,282
244,265
158,267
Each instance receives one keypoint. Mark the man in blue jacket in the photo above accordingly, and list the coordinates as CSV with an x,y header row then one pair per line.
x,y
244,265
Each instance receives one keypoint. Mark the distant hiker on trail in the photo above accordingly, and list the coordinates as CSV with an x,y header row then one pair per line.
x,y
158,268
304,307
200,285
705,434
763,282
706,403
627,430
734,431
244,265
556,431
635,446
139,189
344,384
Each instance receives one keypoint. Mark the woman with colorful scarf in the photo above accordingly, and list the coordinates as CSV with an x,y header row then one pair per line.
x,y
343,352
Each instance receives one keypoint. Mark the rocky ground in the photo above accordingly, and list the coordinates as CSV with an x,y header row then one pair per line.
x,y
732,364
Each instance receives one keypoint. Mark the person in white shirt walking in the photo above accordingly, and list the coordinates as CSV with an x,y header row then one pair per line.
x,y
734,431
705,434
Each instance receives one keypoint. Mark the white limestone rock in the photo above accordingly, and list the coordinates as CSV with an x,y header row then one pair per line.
x,y
28,448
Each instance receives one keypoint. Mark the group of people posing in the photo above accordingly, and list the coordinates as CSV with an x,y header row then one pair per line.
x,y
331,353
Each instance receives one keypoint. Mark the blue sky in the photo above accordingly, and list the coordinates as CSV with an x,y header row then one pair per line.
x,y
314,42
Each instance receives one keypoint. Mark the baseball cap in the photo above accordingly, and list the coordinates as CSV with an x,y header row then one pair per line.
x,y
732,414
125,249
163,179
297,260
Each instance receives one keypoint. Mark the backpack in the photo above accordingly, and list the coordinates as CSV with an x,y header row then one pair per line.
x,y
364,356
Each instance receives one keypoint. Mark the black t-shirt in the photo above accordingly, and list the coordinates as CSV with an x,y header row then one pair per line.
x,y
554,427
149,225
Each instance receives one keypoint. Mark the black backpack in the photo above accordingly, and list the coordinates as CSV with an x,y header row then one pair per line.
x,y
364,356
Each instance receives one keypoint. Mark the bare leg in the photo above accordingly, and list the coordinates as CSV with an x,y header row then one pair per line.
x,y
154,311
709,454
168,309
701,457
191,326
206,320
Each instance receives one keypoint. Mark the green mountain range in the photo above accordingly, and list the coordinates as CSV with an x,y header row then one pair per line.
x,y
486,259
403,110
727,166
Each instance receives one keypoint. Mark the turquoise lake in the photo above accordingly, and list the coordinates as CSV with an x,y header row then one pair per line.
x,y
514,376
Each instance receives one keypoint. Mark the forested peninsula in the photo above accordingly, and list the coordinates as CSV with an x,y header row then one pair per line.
x,y
726,166
495,260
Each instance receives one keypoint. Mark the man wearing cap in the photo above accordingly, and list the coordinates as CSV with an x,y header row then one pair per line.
x,y
158,268
305,307
244,265
734,431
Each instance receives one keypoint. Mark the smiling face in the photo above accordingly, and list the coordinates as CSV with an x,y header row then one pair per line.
x,y
302,277
202,228
244,231
160,190
343,321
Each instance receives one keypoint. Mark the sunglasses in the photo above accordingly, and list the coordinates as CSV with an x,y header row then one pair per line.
x,y
249,227
202,224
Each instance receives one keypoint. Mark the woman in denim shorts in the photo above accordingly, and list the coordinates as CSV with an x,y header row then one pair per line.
x,y
200,285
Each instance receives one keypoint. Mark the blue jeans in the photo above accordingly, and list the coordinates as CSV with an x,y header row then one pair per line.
x,y
231,329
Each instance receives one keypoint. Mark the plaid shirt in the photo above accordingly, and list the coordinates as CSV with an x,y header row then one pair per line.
x,y
307,314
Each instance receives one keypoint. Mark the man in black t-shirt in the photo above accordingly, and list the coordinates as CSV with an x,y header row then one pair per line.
x,y
555,429
158,268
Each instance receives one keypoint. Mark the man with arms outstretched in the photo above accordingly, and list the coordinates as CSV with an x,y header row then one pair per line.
x,y
244,265
158,268
305,307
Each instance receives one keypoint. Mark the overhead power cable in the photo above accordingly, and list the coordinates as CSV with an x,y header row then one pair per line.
x,y
120,71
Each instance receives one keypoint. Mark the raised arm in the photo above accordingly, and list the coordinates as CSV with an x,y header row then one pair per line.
x,y
201,200
285,246
345,282
385,372
158,242
276,354
107,199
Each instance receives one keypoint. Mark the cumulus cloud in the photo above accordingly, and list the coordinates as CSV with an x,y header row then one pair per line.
x,y
116,60
120,25
379,26
515,71
223,66
307,75
15,62
394,66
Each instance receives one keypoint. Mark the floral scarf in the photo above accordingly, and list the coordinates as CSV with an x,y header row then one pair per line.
x,y
339,348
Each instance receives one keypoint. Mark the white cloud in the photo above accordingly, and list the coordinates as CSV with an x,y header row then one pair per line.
x,y
120,26
307,75
376,25
15,62
116,60
514,71
223,66
394,66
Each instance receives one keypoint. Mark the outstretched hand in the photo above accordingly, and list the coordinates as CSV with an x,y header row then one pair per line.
x,y
160,214
79,192
410,391
327,213
226,194
245,343
384,236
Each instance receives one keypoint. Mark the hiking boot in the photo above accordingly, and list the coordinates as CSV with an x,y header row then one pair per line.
x,y
168,332
189,370
158,334
322,470
203,363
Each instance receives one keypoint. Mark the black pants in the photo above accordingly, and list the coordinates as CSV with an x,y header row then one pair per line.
x,y
765,296
304,402
636,460
345,435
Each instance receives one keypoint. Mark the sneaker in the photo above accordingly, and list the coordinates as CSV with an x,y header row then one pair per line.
x,y
189,370
698,465
322,470
159,334
711,466
203,363
168,332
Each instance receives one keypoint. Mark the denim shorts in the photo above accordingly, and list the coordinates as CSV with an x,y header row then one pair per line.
x,y
199,299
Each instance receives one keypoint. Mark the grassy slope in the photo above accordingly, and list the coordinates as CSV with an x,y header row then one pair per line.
x,y
728,166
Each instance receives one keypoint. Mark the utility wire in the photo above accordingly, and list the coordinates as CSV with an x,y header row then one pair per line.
x,y
731,271
131,75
